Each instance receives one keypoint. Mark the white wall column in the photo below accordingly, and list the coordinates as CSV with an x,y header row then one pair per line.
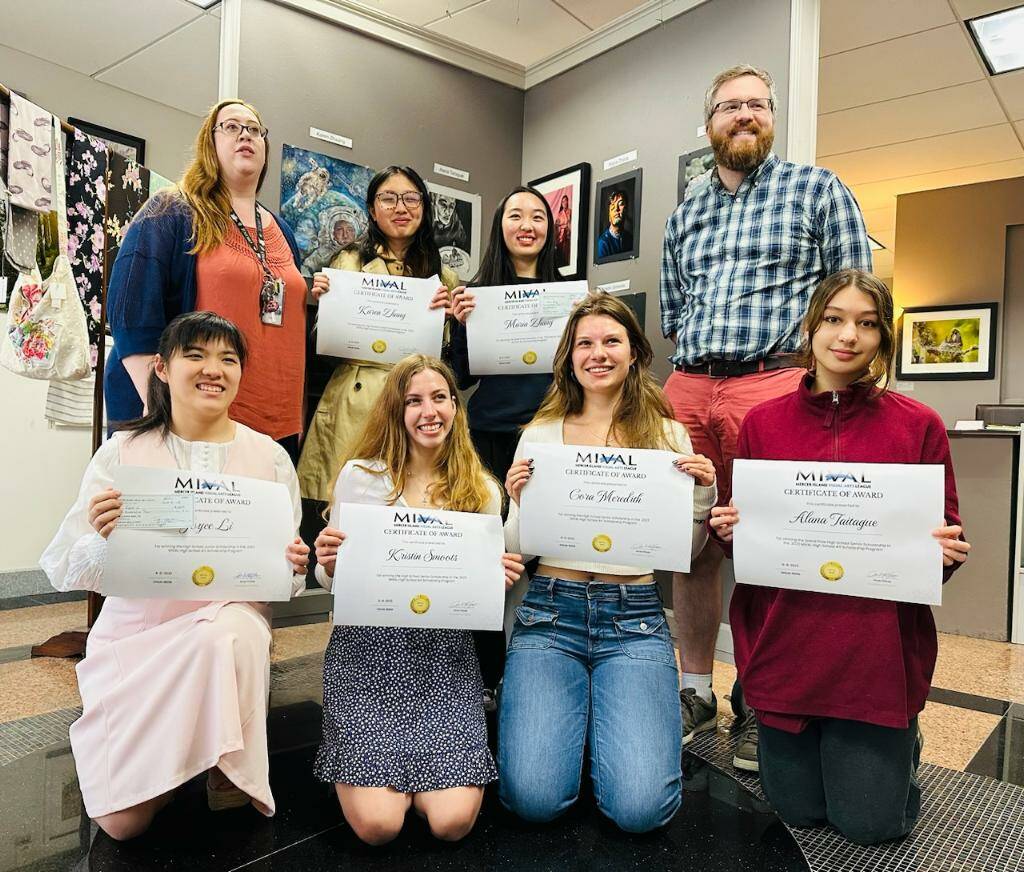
x,y
802,129
230,47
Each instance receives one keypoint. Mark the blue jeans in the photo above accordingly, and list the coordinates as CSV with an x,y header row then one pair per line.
x,y
591,664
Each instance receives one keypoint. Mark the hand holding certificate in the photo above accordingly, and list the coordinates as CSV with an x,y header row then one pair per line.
x,y
413,567
199,536
861,529
381,318
625,506
516,328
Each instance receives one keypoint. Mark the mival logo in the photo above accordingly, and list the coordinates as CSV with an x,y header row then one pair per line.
x,y
382,284
600,458
831,478
417,519
521,295
194,483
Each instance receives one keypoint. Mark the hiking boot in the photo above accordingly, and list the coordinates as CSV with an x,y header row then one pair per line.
x,y
745,753
698,716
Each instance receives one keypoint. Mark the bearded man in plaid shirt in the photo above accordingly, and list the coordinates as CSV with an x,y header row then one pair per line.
x,y
743,252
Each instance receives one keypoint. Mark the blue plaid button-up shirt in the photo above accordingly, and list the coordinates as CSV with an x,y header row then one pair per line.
x,y
737,270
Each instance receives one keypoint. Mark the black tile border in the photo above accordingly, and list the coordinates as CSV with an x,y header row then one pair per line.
x,y
971,701
41,599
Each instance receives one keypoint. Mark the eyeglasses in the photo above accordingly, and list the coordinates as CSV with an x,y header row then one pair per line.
x,y
410,199
731,107
233,128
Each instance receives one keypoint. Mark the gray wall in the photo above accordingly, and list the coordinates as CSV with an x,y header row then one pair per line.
x,y
951,247
169,133
397,107
648,94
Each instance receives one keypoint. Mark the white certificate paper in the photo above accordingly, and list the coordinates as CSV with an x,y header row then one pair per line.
x,y
381,318
408,567
860,529
624,506
516,328
233,550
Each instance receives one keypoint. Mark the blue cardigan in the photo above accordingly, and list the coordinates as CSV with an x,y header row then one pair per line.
x,y
153,280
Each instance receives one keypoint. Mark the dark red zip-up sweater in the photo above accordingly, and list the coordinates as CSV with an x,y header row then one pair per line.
x,y
803,655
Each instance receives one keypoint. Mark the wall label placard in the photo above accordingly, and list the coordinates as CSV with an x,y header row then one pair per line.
x,y
327,136
451,172
611,287
702,130
620,159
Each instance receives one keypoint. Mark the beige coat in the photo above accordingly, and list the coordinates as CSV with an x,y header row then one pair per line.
x,y
348,397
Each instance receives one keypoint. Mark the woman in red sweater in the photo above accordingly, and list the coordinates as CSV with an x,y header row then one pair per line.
x,y
837,682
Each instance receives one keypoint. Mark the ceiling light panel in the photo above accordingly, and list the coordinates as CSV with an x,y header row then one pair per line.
x,y
1000,39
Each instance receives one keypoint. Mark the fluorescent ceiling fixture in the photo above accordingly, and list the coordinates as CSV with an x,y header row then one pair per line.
x,y
204,4
874,244
1000,39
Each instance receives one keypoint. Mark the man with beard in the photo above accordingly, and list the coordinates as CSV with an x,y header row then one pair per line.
x,y
615,239
742,254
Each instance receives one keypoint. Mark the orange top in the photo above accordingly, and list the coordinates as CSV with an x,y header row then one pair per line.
x,y
228,281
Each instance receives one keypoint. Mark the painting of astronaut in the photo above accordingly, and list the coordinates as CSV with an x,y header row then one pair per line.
x,y
457,228
323,199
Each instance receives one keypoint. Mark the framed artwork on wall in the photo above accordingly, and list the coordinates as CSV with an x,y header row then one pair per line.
x,y
456,228
692,165
568,194
130,147
947,343
323,199
617,222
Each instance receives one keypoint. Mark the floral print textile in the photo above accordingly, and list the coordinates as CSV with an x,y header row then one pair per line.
x,y
127,191
87,194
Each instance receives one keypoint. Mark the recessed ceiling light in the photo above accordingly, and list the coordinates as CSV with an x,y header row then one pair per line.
x,y
1000,39
203,4
874,244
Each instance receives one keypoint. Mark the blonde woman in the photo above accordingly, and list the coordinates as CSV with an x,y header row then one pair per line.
x,y
399,241
590,660
403,707
208,245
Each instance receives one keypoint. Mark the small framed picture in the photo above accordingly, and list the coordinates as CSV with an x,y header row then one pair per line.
x,y
457,228
692,165
128,146
568,194
617,223
947,343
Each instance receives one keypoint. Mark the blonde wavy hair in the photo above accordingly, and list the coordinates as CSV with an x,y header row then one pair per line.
x,y
641,418
461,483
201,186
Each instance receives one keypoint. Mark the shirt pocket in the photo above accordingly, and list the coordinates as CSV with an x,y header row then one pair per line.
x,y
645,637
534,628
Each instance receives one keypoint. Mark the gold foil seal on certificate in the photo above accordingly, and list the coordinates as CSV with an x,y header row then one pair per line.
x,y
530,358
203,576
831,571
379,346
601,543
420,604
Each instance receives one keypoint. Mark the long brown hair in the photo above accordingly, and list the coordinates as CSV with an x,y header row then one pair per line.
x,y
201,186
461,482
879,373
641,417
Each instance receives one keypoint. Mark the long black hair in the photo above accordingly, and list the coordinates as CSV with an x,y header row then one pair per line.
x,y
496,265
185,331
422,258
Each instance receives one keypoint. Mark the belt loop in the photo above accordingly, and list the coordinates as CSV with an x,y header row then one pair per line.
x,y
623,596
551,588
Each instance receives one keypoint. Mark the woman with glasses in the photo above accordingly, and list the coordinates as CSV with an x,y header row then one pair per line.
x,y
399,241
207,244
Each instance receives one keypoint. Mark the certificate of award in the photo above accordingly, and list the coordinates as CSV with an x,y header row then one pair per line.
x,y
381,318
860,529
407,567
624,506
233,547
516,328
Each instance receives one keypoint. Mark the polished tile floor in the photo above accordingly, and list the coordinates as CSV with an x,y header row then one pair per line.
x,y
974,724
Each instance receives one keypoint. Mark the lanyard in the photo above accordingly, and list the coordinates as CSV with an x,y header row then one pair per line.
x,y
259,247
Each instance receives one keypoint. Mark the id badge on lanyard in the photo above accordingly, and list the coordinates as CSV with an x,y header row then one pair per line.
x,y
271,299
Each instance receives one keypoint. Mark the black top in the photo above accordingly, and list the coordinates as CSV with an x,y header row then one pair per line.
x,y
501,403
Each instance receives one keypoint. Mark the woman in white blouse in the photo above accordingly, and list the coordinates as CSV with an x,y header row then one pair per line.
x,y
173,688
590,660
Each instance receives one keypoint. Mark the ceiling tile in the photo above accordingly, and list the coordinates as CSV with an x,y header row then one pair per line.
x,y
89,42
1010,88
180,70
846,25
882,195
909,65
595,13
522,31
962,107
417,11
1020,128
937,153
974,8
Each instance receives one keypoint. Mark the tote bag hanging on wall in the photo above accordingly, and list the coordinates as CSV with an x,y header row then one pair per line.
x,y
46,335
